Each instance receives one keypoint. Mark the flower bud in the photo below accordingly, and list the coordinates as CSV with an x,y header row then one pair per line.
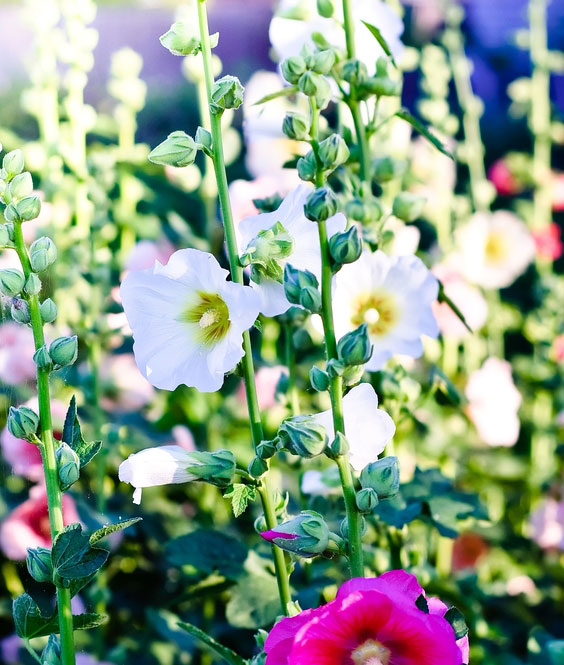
x,y
266,449
10,213
48,311
387,168
13,163
264,252
33,285
345,247
338,447
325,8
307,167
381,86
257,467
364,212
310,299
319,379
178,149
181,39
296,126
292,68
295,280
305,535
216,468
366,500
28,208
227,93
5,240
408,206
382,476
335,367
42,358
268,203
39,565
204,140
42,254
21,185
11,281
333,152
23,423
51,654
302,436
354,72
20,311
345,527
316,86
321,205
68,464
64,350
355,347
352,375
323,61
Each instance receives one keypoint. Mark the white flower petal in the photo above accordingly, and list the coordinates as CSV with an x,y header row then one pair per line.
x,y
156,466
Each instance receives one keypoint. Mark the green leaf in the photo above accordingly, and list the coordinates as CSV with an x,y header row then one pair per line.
x,y
288,91
226,654
380,39
112,528
440,381
254,601
442,297
72,435
73,558
240,496
456,619
424,131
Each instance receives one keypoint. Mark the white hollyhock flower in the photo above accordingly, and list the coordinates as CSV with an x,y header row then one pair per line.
x,y
304,253
296,20
187,320
368,429
393,296
495,248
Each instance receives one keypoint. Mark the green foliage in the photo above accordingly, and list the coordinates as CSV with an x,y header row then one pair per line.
x,y
72,436
240,496
73,558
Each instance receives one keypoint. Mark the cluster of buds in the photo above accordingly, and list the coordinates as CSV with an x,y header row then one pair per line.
x,y
302,288
379,480
308,72
265,251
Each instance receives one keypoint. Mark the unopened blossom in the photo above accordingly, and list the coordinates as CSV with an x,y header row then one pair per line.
x,y
494,403
145,252
494,249
368,429
187,320
502,178
548,242
27,526
393,296
126,389
371,622
547,524
302,235
296,20
16,354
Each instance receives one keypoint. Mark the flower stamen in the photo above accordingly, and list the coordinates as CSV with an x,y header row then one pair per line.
x,y
210,315
371,652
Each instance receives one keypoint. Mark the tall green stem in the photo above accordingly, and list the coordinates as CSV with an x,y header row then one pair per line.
x,y
54,495
265,492
290,359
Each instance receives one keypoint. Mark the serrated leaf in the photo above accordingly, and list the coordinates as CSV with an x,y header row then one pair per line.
x,y
442,297
72,435
284,92
240,496
456,619
72,556
424,131
226,654
380,39
112,528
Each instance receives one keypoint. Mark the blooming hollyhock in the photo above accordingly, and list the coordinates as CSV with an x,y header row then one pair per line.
x,y
126,389
27,526
266,379
187,320
468,549
368,429
393,296
548,242
502,178
370,622
494,402
296,20
494,248
302,239
547,524
145,252
16,354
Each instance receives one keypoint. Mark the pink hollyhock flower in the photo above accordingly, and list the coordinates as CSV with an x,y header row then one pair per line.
x,y
548,242
16,354
468,549
558,348
144,254
547,524
28,524
558,193
370,622
502,178
266,379
494,403
127,389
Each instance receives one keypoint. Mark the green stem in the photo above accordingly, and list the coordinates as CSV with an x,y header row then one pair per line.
x,y
54,495
237,276
290,357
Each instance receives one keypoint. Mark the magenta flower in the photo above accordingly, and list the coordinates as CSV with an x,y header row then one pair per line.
x,y
370,622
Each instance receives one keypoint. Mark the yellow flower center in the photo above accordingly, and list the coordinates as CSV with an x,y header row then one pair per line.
x,y
377,309
210,314
371,652
496,247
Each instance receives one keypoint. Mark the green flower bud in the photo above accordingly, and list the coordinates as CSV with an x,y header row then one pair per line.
x,y
381,86
310,299
48,311
42,358
338,447
12,281
302,436
178,149
321,204
51,654
10,213
325,8
19,310
355,348
68,464
13,163
33,285
181,39
264,252
217,468
5,240
307,167
21,185
316,86
23,423
366,500
268,204
42,254
345,247
39,565
266,449
64,350
364,212
227,93
333,152
292,68
305,535
382,476
295,280
335,367
204,139
257,467
352,374
319,379
323,61
408,206
387,168
28,208
354,72
345,527
296,126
